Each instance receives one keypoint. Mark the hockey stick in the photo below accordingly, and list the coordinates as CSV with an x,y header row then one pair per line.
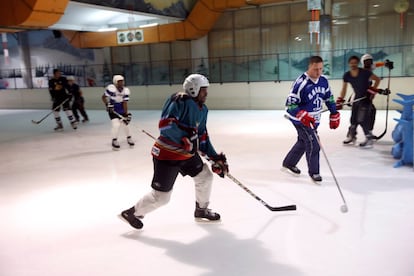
x,y
350,103
48,114
271,208
344,207
386,110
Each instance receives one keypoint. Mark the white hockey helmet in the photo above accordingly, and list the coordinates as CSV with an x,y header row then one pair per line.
x,y
70,78
193,83
117,78
366,57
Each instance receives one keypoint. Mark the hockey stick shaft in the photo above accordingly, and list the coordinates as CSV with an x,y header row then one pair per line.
x,y
48,114
281,208
329,165
235,180
386,110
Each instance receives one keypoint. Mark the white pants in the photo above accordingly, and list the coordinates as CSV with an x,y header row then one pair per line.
x,y
155,199
116,126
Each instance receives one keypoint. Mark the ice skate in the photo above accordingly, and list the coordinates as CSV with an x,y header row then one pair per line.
x,y
130,141
59,127
349,140
367,144
205,214
292,170
74,124
129,217
316,177
115,144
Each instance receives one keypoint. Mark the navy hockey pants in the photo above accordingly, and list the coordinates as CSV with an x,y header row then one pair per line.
x,y
306,144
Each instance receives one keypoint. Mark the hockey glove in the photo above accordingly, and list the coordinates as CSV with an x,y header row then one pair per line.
x,y
220,165
306,119
110,108
385,91
127,118
334,120
339,103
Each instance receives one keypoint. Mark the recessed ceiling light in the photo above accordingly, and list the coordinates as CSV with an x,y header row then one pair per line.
x,y
375,5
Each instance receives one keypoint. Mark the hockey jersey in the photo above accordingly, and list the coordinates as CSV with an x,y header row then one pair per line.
x,y
117,97
310,95
182,117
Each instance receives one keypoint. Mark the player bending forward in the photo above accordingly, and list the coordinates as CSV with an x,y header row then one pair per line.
x,y
183,133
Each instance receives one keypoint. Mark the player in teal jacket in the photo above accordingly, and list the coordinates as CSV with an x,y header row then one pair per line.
x,y
183,134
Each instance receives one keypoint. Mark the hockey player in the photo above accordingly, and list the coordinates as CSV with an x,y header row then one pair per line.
x,y
365,84
115,98
61,98
367,62
304,106
78,100
183,133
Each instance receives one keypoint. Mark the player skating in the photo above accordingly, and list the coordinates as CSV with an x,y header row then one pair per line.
x,y
115,98
364,84
304,106
78,101
61,98
183,133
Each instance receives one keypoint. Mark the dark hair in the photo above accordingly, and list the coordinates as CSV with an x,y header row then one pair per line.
x,y
55,71
353,57
315,59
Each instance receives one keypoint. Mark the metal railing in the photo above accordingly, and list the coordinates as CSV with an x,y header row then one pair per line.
x,y
252,68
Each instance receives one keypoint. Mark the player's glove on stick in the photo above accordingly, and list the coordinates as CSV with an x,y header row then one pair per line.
x,y
334,120
306,119
110,108
220,165
127,118
339,103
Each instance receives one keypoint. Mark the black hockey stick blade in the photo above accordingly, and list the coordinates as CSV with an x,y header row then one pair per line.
x,y
35,122
282,208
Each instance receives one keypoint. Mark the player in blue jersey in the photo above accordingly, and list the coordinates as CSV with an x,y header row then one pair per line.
x,y
304,106
115,98
365,84
183,134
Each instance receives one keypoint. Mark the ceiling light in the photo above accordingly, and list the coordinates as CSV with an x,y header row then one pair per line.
x,y
148,25
107,29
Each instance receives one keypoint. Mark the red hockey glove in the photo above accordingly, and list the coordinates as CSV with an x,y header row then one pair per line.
x,y
339,103
220,165
334,120
188,146
306,119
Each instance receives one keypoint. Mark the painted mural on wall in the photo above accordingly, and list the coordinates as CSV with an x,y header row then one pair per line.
x,y
36,53
173,8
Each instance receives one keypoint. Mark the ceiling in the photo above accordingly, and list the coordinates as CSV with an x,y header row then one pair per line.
x,y
92,18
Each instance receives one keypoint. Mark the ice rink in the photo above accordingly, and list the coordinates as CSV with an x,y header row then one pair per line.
x,y
60,195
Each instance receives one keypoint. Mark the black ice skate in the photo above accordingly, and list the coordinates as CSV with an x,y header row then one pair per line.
x,y
292,169
59,127
74,124
316,177
130,141
115,144
205,214
129,217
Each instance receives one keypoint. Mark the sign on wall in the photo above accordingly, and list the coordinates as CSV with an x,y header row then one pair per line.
x,y
130,36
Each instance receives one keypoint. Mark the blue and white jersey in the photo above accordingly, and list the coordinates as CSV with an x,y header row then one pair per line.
x,y
117,97
310,95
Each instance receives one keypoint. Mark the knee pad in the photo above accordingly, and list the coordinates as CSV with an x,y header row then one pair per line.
x,y
160,198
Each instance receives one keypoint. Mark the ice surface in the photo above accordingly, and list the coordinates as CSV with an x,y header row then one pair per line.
x,y
60,195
